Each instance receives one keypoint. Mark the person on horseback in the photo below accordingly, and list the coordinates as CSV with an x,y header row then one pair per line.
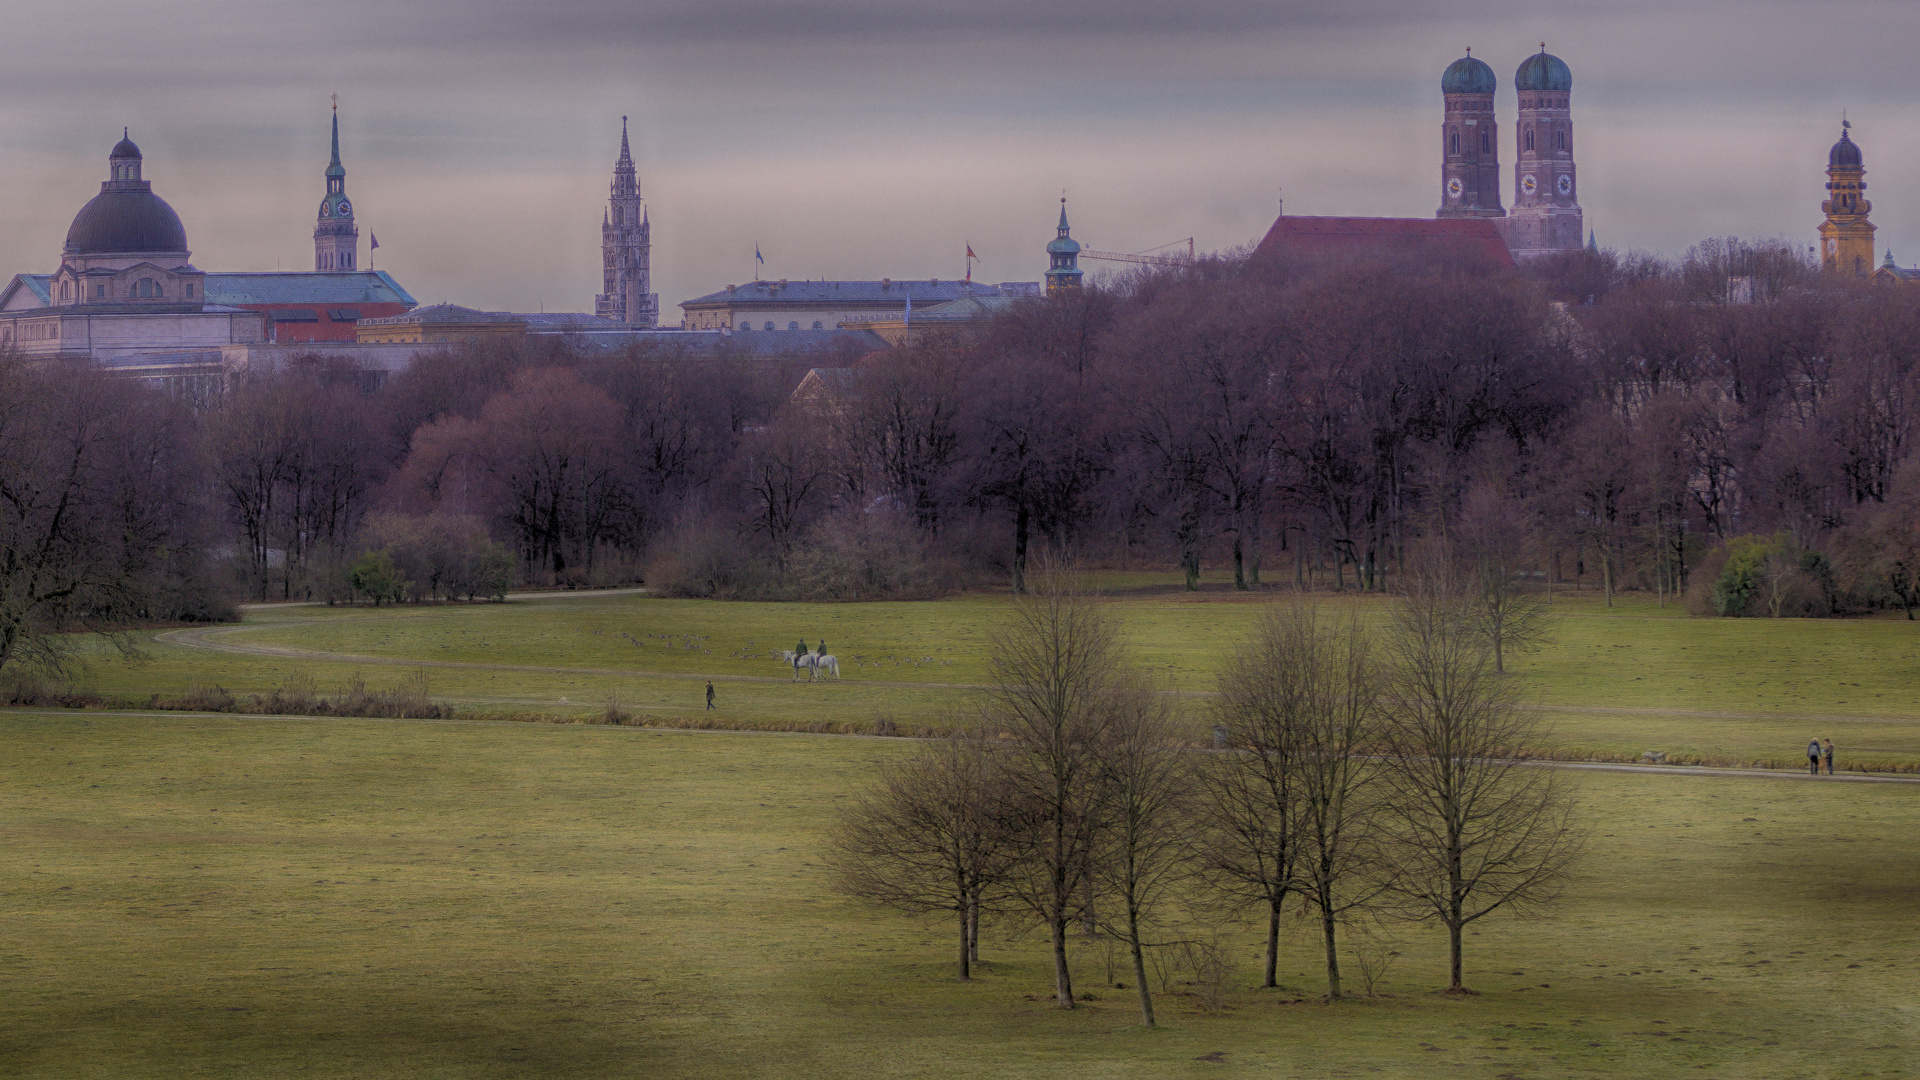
x,y
800,649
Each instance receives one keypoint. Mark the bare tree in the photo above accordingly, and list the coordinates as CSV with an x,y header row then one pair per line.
x,y
1479,830
932,837
1141,853
1250,797
1335,687
1054,665
1495,544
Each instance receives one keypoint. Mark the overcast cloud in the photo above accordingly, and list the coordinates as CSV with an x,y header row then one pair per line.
x,y
877,138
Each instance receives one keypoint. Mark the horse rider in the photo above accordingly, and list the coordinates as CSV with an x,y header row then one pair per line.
x,y
800,649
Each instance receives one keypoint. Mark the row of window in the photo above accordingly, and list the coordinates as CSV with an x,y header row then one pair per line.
x,y
144,289
1486,140
1559,139
329,261
46,331
817,325
1543,103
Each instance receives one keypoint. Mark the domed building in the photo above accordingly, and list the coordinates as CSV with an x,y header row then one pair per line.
x,y
1469,142
128,295
1546,217
1846,236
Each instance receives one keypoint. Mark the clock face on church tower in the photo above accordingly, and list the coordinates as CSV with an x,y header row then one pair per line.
x,y
1453,188
1564,185
346,208
1528,184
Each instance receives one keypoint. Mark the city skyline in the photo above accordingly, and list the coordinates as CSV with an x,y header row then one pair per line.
x,y
879,141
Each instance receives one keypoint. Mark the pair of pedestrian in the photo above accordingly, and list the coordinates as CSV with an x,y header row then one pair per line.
x,y
1816,753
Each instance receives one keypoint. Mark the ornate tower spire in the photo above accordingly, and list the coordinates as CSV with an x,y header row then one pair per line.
x,y
1469,142
336,238
1846,236
1546,215
1063,257
626,248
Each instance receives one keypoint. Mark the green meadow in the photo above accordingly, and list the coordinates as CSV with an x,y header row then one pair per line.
x,y
195,894
238,897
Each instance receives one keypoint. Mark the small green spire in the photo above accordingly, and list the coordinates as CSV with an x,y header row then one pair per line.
x,y
335,169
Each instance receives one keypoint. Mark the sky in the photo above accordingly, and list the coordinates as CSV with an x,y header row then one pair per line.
x,y
878,138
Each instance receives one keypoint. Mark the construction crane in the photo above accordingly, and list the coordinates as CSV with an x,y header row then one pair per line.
x,y
1145,258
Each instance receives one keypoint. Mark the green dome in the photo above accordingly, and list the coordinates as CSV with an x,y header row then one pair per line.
x,y
1468,76
1543,71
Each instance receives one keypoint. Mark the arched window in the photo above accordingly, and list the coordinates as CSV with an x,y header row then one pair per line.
x,y
745,325
769,326
817,326
1559,140
1484,147
66,290
793,326
1529,138
1454,145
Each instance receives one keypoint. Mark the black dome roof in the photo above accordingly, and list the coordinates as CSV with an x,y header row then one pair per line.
x,y
125,148
1844,152
132,221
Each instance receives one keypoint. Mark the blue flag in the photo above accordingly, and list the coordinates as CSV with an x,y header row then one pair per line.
x,y
757,257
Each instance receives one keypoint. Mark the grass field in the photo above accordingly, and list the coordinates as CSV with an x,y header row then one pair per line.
x,y
1616,681
234,897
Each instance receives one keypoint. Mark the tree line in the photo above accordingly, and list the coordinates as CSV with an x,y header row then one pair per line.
x,y
1353,775
1731,430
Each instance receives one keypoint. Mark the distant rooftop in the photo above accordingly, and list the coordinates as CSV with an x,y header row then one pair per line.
x,y
827,293
445,313
1476,239
306,287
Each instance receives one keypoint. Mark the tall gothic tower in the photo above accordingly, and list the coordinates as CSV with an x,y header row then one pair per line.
x,y
1469,142
1846,237
625,249
1546,216
335,236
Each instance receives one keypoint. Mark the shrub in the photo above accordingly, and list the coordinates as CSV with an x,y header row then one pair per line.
x,y
1764,575
375,575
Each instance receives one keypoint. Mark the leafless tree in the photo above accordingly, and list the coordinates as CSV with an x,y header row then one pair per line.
x,y
1335,688
1141,853
1250,802
1479,830
1494,541
1054,667
931,837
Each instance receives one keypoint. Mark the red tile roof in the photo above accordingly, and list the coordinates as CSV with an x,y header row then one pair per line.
x,y
1474,240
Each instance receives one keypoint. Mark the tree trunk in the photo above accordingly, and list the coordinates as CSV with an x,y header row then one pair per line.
x,y
1140,969
973,926
966,945
1273,945
1062,978
1022,519
1453,944
1239,566
1327,931
1190,562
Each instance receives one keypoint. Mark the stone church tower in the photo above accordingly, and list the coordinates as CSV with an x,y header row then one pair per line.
x,y
625,250
1546,216
1469,142
335,236
1846,237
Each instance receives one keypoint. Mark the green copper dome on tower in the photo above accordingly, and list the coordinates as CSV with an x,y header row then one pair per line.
x,y
1468,76
1543,72
1063,257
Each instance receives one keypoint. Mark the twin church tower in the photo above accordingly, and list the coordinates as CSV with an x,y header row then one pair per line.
x,y
1546,216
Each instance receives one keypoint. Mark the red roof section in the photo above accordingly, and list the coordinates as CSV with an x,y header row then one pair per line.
x,y
1464,239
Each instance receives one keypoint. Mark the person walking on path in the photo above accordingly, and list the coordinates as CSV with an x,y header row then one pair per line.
x,y
709,693
1827,752
1813,757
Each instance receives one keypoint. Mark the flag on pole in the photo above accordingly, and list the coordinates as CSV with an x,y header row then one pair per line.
x,y
376,241
971,259
757,257
970,253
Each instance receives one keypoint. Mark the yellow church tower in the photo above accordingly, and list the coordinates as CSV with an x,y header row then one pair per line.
x,y
1846,237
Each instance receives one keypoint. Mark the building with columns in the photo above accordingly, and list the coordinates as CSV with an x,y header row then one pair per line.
x,y
1846,236
1546,216
626,247
127,295
336,239
1469,142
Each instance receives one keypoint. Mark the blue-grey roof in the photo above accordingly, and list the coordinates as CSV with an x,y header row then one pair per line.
x,y
445,313
1468,76
40,284
559,321
826,293
701,344
306,287
1844,152
1543,71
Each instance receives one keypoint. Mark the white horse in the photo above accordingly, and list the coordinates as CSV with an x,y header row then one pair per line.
x,y
824,663
815,663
